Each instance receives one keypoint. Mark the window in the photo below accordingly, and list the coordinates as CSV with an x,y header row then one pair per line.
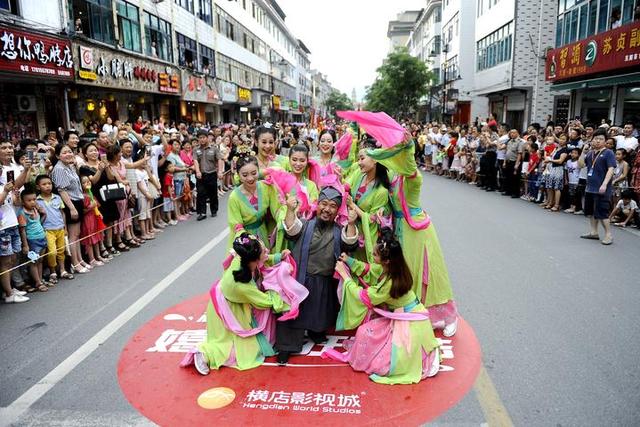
x,y
205,12
494,48
603,16
129,24
232,29
593,13
159,42
10,6
186,4
94,18
207,60
584,11
187,51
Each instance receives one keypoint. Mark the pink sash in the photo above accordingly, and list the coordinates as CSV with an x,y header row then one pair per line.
x,y
225,314
393,315
281,279
419,225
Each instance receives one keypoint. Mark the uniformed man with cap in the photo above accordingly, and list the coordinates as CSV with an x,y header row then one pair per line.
x,y
209,167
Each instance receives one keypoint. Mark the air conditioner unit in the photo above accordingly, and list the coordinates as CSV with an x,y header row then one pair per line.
x,y
26,103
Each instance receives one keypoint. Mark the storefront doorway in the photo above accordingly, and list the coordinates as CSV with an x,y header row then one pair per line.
x,y
596,104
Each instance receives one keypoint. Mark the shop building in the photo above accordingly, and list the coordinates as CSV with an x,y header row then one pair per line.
x,y
35,69
597,60
200,100
511,37
121,85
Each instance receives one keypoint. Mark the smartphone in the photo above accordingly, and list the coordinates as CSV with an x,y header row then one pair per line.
x,y
30,156
11,176
42,157
103,157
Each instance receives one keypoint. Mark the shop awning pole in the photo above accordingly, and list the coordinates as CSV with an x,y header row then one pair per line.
x,y
67,118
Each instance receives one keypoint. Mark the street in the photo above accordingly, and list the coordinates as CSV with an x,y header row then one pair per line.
x,y
556,316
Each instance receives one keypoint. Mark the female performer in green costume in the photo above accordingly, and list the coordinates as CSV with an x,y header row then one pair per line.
x,y
238,321
369,191
251,202
265,140
418,236
398,346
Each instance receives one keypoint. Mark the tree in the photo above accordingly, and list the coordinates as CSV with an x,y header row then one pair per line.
x,y
337,101
401,81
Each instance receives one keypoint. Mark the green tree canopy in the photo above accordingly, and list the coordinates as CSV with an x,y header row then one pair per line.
x,y
401,81
337,101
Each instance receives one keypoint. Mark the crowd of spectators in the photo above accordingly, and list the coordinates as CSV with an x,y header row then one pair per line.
x,y
80,198
75,201
546,165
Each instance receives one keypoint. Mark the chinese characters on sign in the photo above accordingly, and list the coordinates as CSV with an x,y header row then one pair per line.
x,y
615,49
111,69
35,54
244,95
199,88
303,401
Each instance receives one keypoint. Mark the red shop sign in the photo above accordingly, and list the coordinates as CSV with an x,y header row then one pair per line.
x,y
35,54
611,50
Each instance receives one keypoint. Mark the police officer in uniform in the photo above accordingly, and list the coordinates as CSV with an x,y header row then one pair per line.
x,y
209,166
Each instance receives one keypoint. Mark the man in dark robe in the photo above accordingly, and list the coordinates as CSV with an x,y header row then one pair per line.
x,y
318,244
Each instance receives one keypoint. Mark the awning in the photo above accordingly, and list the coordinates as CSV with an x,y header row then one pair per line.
x,y
599,82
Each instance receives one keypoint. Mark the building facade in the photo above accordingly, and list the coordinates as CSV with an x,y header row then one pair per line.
x,y
461,102
36,67
491,58
176,60
511,37
400,28
597,59
425,44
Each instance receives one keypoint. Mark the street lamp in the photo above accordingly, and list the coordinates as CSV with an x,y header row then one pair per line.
x,y
445,50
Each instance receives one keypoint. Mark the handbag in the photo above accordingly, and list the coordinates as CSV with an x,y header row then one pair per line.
x,y
132,201
113,192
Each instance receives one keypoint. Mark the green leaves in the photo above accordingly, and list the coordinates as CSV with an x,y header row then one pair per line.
x,y
402,80
337,101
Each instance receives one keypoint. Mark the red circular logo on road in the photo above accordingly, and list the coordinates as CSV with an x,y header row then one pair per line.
x,y
330,392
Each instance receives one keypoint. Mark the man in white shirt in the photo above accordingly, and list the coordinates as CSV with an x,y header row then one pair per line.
x,y
627,141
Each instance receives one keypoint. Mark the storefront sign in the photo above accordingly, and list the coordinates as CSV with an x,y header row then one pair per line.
x,y
87,75
244,95
168,83
35,54
293,105
199,88
228,91
611,50
276,102
106,68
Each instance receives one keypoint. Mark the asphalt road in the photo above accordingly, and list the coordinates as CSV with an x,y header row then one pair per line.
x,y
557,317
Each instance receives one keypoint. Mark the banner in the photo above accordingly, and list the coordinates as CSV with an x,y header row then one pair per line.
x,y
608,51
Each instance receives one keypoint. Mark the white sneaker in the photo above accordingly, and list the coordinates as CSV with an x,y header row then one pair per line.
x,y
15,298
173,222
200,362
15,291
450,329
435,366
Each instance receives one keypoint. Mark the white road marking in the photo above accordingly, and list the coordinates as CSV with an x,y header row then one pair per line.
x,y
12,413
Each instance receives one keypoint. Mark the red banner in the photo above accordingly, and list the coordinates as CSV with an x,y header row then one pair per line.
x,y
35,54
611,50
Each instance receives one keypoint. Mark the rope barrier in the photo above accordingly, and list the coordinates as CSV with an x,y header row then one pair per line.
x,y
83,238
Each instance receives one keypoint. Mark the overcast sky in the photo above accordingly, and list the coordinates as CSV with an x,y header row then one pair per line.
x,y
347,38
